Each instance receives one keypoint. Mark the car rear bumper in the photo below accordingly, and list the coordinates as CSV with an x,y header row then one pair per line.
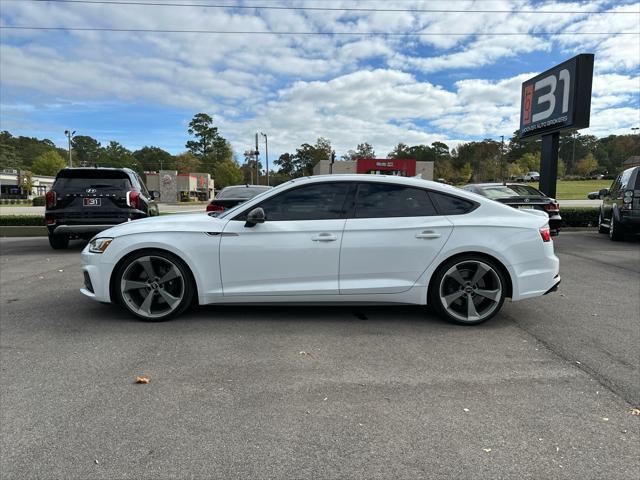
x,y
535,278
71,229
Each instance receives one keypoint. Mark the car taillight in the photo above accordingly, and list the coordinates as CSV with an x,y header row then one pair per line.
x,y
215,208
133,199
545,233
50,198
552,207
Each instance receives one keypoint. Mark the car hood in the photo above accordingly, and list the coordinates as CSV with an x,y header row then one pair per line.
x,y
181,222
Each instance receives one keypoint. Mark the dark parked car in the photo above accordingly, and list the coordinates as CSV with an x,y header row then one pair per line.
x,y
231,196
620,209
84,201
520,196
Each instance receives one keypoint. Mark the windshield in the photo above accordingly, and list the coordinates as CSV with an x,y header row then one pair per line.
x,y
504,191
241,192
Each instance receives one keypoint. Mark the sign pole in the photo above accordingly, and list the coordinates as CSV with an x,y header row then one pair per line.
x,y
549,163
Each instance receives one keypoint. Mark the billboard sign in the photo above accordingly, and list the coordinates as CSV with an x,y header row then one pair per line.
x,y
558,99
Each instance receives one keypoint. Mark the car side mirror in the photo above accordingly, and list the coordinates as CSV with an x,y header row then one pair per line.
x,y
154,194
254,217
603,192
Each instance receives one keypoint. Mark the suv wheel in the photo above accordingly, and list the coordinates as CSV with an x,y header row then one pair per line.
x,y
154,285
601,228
58,242
468,290
616,230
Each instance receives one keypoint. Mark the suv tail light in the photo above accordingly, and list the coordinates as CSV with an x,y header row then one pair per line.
x,y
552,207
133,199
51,199
215,208
545,233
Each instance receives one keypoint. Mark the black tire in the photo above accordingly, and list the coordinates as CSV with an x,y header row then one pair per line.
x,y
443,286
616,230
601,228
180,288
58,242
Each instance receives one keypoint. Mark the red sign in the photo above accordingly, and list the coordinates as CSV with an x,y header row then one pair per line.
x,y
387,166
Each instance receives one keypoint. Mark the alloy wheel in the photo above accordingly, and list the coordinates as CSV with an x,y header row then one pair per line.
x,y
152,286
470,291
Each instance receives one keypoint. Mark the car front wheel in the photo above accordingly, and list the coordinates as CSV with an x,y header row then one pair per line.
x,y
468,290
154,286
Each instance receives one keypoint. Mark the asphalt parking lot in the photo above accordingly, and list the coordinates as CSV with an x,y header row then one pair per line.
x,y
545,390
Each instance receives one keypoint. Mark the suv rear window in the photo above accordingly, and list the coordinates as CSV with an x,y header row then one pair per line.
x,y
75,180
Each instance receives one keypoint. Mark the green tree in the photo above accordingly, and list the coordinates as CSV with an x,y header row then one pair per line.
x,y
465,173
187,162
287,164
87,150
587,165
116,155
400,151
154,158
206,135
48,163
227,172
363,150
8,156
529,162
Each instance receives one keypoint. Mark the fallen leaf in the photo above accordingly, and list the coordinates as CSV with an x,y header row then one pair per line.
x,y
635,411
465,409
144,380
605,419
325,399
61,270
97,462
486,450
304,354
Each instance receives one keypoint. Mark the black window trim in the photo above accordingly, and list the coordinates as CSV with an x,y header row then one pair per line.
x,y
350,196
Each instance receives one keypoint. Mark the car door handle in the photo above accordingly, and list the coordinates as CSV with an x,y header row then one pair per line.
x,y
427,234
324,237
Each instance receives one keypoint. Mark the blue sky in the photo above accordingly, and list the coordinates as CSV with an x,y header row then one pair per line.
x,y
142,88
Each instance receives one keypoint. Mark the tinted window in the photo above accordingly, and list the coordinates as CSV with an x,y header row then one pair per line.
x,y
624,178
379,200
79,180
450,205
313,202
240,192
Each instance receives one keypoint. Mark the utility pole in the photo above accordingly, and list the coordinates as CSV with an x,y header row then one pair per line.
x,y
257,161
502,157
266,153
69,135
573,153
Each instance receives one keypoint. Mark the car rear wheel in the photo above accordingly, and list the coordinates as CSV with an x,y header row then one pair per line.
x,y
616,230
154,286
601,227
58,242
468,290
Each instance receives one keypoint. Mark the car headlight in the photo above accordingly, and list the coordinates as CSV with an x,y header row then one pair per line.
x,y
99,245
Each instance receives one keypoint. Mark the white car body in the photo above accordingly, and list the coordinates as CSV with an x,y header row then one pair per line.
x,y
346,260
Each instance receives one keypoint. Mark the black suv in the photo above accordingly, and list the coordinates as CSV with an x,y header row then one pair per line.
x,y
84,201
620,209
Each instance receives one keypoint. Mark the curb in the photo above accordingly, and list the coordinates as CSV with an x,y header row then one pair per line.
x,y
23,231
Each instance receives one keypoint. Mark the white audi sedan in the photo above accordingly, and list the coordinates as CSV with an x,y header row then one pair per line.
x,y
327,240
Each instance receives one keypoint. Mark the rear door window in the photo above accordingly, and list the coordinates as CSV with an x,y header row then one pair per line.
x,y
382,200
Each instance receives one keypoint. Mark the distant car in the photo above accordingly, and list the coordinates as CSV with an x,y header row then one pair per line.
x,y
231,196
522,197
529,177
85,201
620,209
